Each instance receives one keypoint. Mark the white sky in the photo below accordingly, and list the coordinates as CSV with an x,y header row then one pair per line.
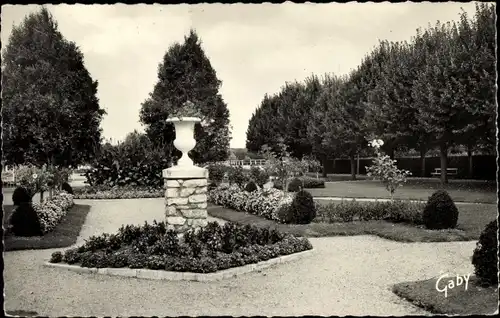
x,y
254,48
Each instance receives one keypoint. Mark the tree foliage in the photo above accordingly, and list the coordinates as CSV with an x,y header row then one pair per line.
x,y
51,113
187,74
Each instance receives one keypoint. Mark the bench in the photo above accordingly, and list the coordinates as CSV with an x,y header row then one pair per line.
x,y
449,172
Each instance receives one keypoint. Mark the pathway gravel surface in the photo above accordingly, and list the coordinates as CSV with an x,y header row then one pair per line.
x,y
345,276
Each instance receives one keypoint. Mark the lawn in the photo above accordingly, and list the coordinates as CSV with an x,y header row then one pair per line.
x,y
414,189
471,221
474,300
64,235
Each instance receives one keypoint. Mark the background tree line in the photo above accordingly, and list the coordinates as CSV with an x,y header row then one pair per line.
x,y
51,114
436,91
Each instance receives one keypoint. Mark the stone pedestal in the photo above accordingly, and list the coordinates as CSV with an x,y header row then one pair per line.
x,y
185,197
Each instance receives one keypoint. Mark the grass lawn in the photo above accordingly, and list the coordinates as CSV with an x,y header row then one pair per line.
x,y
474,300
64,235
414,189
471,221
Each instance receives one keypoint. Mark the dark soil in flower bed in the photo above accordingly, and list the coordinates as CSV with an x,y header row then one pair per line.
x,y
210,249
475,300
64,235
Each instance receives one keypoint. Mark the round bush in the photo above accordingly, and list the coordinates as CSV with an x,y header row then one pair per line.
x,y
66,187
440,211
216,173
25,221
285,214
295,185
237,176
251,187
56,257
485,255
303,207
21,195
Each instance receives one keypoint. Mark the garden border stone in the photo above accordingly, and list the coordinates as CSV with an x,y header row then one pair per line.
x,y
184,276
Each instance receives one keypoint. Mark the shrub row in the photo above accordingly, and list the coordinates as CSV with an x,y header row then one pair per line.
x,y
352,210
237,175
51,211
304,182
262,202
273,204
212,248
127,192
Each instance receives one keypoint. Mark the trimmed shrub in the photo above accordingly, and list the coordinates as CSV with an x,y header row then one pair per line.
x,y
21,195
251,187
216,172
305,183
303,208
485,257
312,183
237,176
67,188
260,176
440,211
25,221
56,257
295,185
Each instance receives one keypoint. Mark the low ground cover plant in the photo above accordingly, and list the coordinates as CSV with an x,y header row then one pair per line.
x,y
209,249
37,219
126,192
352,210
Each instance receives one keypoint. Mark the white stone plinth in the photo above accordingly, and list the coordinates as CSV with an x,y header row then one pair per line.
x,y
185,197
185,172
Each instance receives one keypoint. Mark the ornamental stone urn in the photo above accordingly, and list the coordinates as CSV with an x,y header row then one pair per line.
x,y
185,184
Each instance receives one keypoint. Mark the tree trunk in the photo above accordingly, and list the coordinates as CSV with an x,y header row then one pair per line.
x,y
357,163
353,167
423,151
325,163
391,153
471,167
443,148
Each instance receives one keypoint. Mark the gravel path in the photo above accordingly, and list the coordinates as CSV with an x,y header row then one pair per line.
x,y
345,276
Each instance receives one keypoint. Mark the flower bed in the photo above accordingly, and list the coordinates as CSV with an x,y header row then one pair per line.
x,y
102,192
51,211
262,202
352,210
209,249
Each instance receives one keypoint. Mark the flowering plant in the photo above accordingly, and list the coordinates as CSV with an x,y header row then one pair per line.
x,y
385,170
262,202
51,211
33,179
283,166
